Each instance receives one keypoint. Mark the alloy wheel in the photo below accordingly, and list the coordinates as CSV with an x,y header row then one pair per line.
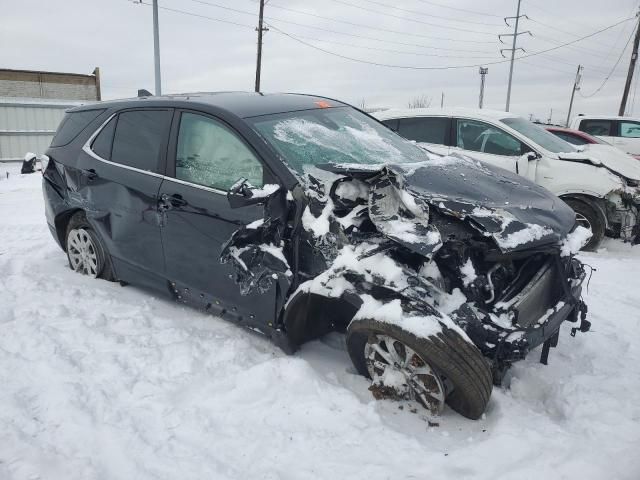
x,y
397,367
83,255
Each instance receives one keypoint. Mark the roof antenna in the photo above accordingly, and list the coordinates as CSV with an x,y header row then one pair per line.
x,y
144,93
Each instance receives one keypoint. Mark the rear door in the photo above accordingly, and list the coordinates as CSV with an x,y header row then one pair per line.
x,y
491,144
206,157
434,133
629,136
122,190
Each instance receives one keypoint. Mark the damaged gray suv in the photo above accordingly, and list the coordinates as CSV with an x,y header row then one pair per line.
x,y
297,215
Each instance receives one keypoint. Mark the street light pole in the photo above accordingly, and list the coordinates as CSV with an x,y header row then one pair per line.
x,y
483,72
156,48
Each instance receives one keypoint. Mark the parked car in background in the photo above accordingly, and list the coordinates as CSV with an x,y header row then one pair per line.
x,y
297,215
601,185
578,138
621,132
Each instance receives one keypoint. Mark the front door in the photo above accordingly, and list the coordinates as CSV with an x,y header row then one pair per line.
x,y
493,145
205,159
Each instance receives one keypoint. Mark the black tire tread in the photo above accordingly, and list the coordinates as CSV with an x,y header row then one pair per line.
x,y
79,219
448,352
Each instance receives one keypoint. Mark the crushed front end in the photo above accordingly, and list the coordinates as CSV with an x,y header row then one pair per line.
x,y
502,274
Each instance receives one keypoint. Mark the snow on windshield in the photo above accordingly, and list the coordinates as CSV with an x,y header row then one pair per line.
x,y
337,135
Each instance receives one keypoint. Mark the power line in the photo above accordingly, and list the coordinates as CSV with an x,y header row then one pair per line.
x,y
425,14
346,22
175,10
191,14
545,67
445,67
613,69
351,45
360,7
383,41
460,9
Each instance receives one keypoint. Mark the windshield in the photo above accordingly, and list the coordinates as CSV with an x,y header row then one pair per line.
x,y
539,135
338,135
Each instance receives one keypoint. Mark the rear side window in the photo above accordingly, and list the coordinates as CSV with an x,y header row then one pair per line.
x,y
72,124
425,129
139,138
596,127
101,146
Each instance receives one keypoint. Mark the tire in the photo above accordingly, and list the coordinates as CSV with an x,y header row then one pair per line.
x,y
459,363
589,216
86,253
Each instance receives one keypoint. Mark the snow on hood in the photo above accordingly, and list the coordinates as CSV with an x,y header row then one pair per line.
x,y
610,157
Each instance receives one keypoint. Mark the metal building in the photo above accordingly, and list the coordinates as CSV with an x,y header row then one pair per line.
x,y
33,103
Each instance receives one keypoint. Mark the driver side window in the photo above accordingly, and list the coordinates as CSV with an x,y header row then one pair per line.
x,y
210,154
482,137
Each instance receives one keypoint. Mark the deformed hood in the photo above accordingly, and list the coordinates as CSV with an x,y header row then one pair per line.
x,y
515,212
609,157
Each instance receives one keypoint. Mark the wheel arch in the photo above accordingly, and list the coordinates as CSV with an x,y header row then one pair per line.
x,y
308,316
597,203
61,222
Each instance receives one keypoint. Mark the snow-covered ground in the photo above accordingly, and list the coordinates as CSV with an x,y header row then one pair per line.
x,y
103,381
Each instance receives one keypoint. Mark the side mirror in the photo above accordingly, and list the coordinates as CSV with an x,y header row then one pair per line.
x,y
533,156
242,193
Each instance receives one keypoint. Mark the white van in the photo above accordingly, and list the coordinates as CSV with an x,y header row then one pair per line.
x,y
623,132
602,185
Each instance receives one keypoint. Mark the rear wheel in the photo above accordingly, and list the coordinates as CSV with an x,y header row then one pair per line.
x,y
590,217
444,368
85,252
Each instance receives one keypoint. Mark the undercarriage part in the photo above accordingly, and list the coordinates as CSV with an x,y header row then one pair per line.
x,y
463,370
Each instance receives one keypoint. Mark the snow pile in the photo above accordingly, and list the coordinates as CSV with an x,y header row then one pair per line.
x,y
266,191
468,273
391,313
530,233
104,381
575,241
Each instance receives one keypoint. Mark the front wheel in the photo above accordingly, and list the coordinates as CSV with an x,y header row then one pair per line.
x,y
439,369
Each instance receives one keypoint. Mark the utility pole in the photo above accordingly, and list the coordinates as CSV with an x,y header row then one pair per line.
x,y
513,48
483,72
550,116
576,86
156,48
632,67
260,29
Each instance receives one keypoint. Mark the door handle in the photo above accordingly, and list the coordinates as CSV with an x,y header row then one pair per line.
x,y
171,201
91,174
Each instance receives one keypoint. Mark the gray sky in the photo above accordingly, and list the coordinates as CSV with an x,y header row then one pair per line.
x,y
199,54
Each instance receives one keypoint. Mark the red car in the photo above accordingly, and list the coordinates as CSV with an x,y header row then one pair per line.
x,y
577,137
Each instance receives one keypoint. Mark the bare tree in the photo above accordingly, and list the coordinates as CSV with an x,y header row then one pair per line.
x,y
421,101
